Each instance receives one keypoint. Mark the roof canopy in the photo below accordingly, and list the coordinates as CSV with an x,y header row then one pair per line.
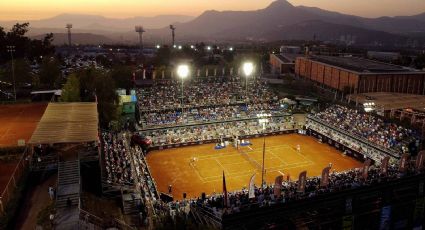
x,y
389,101
67,123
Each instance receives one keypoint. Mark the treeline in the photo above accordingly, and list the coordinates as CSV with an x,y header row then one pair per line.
x,y
24,46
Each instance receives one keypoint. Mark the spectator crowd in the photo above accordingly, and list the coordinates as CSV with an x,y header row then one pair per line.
x,y
338,181
117,160
369,126
216,131
157,119
166,95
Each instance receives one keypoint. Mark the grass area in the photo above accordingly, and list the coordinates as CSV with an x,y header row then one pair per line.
x,y
43,217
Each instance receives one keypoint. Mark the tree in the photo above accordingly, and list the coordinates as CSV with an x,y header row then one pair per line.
x,y
71,90
107,99
50,72
24,46
22,72
419,61
122,76
99,84
163,56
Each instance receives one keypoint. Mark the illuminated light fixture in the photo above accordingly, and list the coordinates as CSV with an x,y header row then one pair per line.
x,y
248,68
158,46
183,71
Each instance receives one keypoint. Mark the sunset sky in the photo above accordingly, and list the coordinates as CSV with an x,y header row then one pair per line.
x,y
37,9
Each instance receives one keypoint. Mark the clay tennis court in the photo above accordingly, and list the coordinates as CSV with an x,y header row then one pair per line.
x,y
19,122
172,166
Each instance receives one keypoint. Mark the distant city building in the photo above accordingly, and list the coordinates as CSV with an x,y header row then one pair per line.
x,y
383,56
290,49
357,75
283,63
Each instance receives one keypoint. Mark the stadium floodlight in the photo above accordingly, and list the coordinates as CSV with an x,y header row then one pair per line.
x,y
182,72
247,68
369,106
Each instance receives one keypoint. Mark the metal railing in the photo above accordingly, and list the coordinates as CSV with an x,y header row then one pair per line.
x,y
96,222
9,190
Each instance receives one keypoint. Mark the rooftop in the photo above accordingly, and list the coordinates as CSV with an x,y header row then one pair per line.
x,y
287,58
361,65
67,123
389,101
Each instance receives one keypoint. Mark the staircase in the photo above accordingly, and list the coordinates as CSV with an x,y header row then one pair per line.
x,y
130,203
68,189
205,217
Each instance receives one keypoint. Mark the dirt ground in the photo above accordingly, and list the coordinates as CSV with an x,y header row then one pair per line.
x,y
19,122
173,167
35,200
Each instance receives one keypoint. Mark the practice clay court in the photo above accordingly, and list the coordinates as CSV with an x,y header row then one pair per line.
x,y
19,122
16,122
174,167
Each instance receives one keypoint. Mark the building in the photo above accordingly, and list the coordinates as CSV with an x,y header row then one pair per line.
x,y
356,75
283,63
290,49
383,56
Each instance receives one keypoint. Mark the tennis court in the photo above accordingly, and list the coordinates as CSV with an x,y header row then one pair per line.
x,y
174,167
18,121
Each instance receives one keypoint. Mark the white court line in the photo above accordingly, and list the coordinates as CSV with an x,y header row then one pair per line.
x,y
281,160
218,162
197,173
281,173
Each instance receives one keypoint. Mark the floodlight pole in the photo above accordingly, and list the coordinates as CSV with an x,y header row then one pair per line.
x,y
264,154
140,31
11,49
182,101
69,27
263,119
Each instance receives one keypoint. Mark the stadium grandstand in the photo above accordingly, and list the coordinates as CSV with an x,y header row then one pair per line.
x,y
222,111
228,152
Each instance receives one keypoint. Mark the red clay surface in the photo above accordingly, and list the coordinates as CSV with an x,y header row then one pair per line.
x,y
19,122
172,166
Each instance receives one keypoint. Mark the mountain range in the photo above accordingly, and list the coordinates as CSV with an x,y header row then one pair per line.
x,y
279,21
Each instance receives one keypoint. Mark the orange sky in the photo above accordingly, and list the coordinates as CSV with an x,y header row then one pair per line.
x,y
36,9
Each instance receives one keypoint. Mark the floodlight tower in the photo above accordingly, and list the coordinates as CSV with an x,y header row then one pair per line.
x,y
172,28
69,26
248,68
140,30
11,50
182,72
